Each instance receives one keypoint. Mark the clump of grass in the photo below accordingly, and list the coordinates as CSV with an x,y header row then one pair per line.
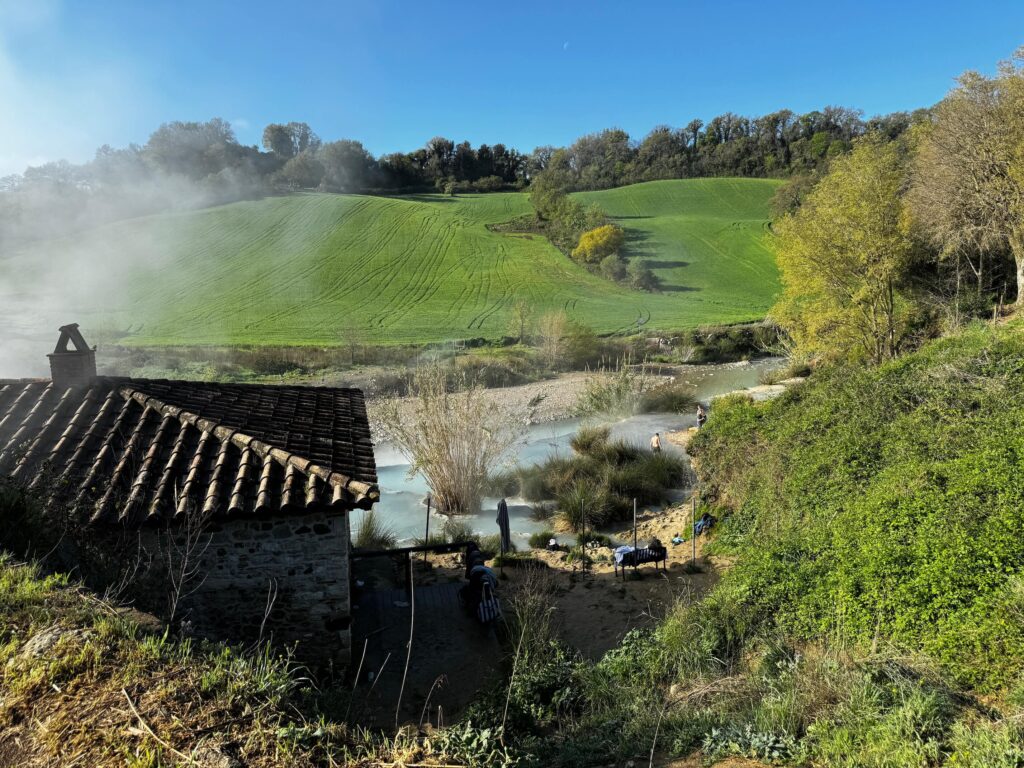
x,y
793,369
457,530
452,530
373,533
616,393
582,505
674,397
492,543
540,539
590,438
602,478
533,484
503,484
541,511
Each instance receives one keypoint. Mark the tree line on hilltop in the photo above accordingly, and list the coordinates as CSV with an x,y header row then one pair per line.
x,y
193,164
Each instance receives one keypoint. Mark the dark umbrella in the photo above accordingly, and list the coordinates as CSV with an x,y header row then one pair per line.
x,y
506,533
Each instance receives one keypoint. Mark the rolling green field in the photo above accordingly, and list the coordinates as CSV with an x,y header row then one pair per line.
x,y
316,268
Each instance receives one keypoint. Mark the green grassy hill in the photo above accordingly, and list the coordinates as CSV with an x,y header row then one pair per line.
x,y
314,268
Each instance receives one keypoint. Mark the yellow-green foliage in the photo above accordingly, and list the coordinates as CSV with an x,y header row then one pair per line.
x,y
597,243
843,257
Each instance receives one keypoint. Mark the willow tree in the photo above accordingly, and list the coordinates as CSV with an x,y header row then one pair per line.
x,y
454,435
843,257
968,175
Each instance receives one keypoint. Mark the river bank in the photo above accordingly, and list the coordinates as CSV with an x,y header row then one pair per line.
x,y
555,399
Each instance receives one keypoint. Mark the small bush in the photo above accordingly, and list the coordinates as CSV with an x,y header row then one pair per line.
x,y
492,544
533,484
597,244
457,530
541,511
587,439
540,539
615,393
581,503
641,276
621,451
372,533
674,397
503,484
613,267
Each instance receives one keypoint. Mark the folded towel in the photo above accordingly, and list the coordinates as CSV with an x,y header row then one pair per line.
x,y
621,552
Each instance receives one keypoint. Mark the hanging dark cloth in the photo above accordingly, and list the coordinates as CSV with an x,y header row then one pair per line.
x,y
503,526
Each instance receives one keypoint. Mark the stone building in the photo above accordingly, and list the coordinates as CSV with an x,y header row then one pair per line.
x,y
246,489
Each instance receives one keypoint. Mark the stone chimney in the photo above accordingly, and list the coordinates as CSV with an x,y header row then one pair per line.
x,y
72,367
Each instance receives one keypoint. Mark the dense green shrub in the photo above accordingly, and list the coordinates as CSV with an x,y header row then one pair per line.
x,y
602,477
885,503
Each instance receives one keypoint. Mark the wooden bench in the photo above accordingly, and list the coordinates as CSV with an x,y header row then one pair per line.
x,y
638,557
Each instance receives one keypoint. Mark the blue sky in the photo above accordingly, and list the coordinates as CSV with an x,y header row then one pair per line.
x,y
80,73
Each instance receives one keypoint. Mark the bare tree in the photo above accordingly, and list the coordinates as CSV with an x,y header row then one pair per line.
x,y
520,320
552,335
968,179
454,438
352,337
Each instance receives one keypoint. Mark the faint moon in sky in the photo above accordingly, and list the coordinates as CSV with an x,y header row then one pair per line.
x,y
565,46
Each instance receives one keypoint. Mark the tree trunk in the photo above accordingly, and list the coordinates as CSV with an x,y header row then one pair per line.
x,y
891,319
1019,258
1017,248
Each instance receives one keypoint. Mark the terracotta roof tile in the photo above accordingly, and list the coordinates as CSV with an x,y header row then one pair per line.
x,y
138,451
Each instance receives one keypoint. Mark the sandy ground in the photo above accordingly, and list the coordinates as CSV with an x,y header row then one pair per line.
x,y
594,609
681,438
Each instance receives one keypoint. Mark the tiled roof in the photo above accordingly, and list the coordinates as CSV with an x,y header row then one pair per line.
x,y
138,451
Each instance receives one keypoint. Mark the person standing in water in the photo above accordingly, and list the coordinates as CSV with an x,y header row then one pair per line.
x,y
656,442
702,415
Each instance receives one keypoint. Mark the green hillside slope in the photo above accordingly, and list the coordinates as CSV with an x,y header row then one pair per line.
x,y
315,268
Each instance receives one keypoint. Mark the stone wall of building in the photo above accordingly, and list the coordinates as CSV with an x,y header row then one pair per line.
x,y
298,563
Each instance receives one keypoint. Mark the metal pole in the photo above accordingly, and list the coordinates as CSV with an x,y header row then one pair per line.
x,y
426,533
693,527
634,524
583,540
